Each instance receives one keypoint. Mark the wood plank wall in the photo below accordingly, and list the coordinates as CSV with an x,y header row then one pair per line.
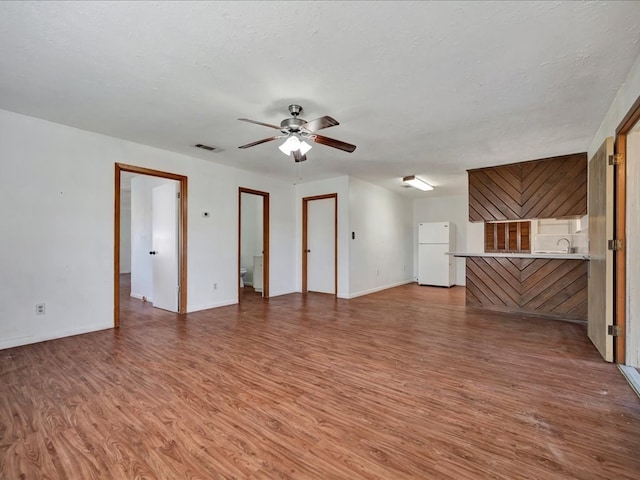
x,y
547,287
546,188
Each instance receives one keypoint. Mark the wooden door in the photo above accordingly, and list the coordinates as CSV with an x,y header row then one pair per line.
x,y
600,313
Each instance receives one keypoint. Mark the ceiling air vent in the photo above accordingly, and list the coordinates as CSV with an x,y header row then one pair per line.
x,y
206,147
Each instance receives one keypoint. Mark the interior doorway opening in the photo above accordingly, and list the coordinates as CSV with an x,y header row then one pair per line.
x,y
253,243
169,192
627,230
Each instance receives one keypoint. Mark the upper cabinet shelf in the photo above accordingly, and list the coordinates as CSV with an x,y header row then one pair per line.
x,y
547,188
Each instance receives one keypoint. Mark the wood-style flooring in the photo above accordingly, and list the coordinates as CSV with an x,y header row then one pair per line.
x,y
406,383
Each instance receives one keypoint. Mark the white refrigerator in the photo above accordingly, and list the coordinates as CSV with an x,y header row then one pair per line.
x,y
435,239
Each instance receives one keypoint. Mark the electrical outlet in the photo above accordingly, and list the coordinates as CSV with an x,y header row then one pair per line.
x,y
215,286
40,309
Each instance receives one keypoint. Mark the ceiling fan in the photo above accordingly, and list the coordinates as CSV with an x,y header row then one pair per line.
x,y
296,131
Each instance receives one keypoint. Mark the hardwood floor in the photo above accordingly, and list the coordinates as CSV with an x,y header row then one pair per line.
x,y
406,383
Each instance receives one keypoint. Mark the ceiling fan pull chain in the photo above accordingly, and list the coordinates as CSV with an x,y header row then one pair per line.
x,y
298,167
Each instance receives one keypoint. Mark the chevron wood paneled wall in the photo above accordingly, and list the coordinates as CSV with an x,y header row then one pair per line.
x,y
494,193
546,188
546,287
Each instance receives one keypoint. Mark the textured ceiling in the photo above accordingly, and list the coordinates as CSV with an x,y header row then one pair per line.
x,y
425,88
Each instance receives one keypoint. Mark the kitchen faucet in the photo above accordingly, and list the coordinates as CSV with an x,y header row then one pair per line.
x,y
568,243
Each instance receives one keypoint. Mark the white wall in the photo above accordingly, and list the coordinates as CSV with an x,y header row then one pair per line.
x,y
142,234
624,100
547,235
339,185
125,231
475,237
57,228
444,209
622,103
381,255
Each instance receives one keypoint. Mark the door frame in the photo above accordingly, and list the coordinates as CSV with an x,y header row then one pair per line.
x,y
620,227
265,238
182,234
305,239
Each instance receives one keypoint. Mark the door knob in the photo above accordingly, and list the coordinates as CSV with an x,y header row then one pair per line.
x,y
152,252
308,251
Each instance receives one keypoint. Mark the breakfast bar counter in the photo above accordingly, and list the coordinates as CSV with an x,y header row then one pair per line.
x,y
542,284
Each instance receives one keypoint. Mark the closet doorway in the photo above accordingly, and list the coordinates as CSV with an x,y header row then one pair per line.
x,y
253,243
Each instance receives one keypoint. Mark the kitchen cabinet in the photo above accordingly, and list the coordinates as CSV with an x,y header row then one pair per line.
x,y
546,188
504,237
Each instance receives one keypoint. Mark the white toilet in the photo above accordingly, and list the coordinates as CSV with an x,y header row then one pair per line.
x,y
243,272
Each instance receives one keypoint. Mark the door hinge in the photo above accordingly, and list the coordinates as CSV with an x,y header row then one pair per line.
x,y
177,194
614,245
616,159
614,330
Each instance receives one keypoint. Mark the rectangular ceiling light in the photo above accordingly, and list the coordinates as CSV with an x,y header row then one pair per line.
x,y
417,183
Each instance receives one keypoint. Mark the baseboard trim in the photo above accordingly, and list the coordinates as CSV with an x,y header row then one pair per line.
x,y
377,289
284,292
141,297
208,306
29,339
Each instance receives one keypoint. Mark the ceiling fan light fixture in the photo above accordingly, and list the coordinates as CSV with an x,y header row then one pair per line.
x,y
304,147
293,143
417,183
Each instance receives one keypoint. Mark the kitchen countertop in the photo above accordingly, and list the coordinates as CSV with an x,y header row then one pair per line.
x,y
552,255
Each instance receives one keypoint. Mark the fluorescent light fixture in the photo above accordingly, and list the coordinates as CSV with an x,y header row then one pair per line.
x,y
293,143
417,183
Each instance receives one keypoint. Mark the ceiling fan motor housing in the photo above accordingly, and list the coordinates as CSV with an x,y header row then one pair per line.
x,y
295,109
292,124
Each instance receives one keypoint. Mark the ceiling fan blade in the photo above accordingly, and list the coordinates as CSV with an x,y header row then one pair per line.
x,y
320,123
259,123
330,142
298,157
264,140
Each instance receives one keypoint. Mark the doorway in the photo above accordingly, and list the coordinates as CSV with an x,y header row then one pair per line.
x,y
253,242
320,244
179,189
627,230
